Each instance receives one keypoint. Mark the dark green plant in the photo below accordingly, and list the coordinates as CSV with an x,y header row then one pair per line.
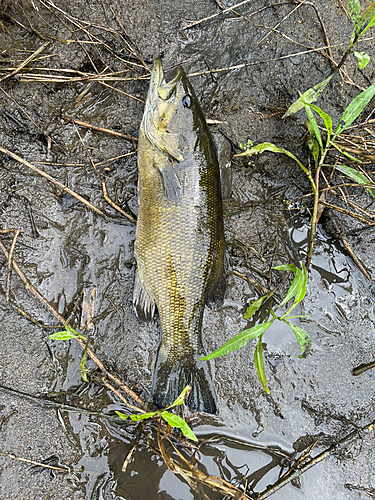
x,y
297,291
319,144
171,419
70,333
362,22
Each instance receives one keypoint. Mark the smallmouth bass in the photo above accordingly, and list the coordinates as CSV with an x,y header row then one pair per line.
x,y
179,245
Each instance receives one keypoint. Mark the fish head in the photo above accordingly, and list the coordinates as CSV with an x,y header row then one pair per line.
x,y
173,117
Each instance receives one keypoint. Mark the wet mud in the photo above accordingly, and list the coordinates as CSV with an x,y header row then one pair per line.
x,y
70,254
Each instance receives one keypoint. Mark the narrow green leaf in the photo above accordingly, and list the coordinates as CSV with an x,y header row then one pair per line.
x,y
254,307
354,9
355,176
143,416
239,340
362,58
302,285
287,267
308,97
172,419
259,365
67,334
123,416
368,18
314,125
180,399
326,118
294,285
312,142
176,421
267,146
354,109
302,338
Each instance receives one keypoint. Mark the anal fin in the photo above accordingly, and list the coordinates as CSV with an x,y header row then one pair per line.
x,y
144,305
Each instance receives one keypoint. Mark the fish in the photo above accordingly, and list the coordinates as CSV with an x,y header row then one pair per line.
x,y
179,244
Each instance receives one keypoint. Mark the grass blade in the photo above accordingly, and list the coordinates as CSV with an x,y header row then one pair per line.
x,y
239,340
344,153
326,118
356,177
312,143
308,97
368,18
314,125
354,9
254,307
354,109
259,365
176,421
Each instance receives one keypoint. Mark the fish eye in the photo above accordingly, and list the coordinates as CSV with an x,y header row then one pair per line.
x,y
186,101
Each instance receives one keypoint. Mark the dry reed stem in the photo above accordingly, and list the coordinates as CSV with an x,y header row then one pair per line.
x,y
53,181
99,129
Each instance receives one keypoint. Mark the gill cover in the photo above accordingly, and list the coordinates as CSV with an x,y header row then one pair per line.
x,y
166,113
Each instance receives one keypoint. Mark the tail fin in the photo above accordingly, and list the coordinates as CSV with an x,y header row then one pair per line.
x,y
170,379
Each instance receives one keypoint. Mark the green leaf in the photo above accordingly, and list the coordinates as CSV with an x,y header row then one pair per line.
x,y
308,97
259,365
136,418
172,419
326,118
267,146
354,109
176,421
287,267
362,58
368,18
314,125
294,287
312,142
302,285
180,399
355,176
123,416
239,340
298,287
354,8
67,334
254,307
302,337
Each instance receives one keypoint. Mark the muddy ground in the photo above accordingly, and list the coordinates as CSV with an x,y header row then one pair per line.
x,y
73,250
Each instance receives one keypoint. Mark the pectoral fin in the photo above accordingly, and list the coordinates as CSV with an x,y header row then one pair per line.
x,y
171,184
144,305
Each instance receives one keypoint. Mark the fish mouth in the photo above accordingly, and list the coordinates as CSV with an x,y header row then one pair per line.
x,y
158,86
